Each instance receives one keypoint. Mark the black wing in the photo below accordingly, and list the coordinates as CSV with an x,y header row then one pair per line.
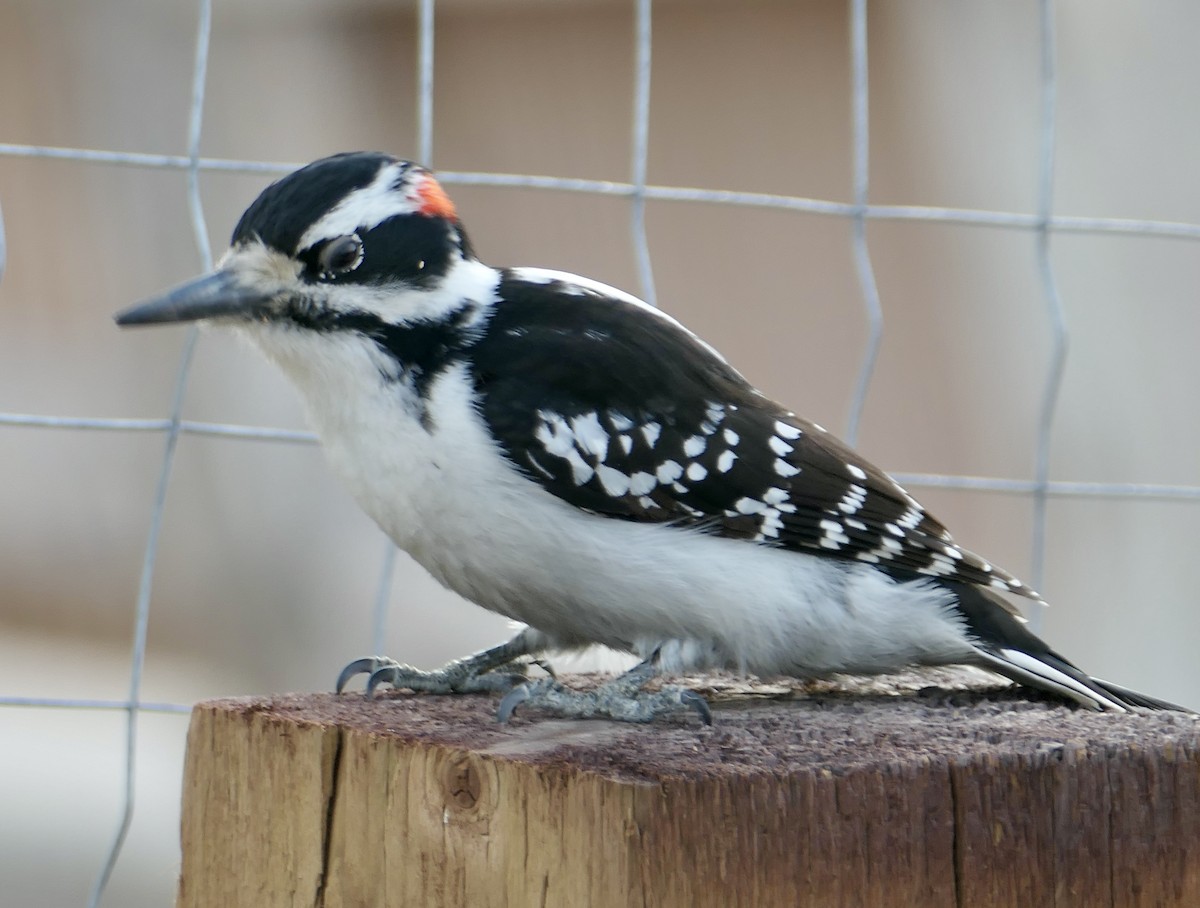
x,y
618,410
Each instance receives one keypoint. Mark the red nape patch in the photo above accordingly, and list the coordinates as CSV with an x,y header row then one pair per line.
x,y
434,201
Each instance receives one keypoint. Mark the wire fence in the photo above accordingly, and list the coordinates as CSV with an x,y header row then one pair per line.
x,y
1042,225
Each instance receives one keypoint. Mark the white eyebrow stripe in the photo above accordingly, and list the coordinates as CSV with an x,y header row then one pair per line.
x,y
364,208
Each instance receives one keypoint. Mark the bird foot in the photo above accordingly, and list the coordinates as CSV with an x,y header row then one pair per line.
x,y
618,699
460,677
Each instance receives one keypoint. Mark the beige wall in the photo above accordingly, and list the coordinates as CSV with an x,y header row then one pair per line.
x,y
268,570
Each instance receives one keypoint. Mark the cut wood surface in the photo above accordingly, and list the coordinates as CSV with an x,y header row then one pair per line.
x,y
926,798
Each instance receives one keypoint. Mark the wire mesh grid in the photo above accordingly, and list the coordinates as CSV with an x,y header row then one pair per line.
x,y
1041,225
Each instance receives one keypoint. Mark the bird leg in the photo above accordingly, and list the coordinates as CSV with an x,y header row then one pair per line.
x,y
474,674
622,698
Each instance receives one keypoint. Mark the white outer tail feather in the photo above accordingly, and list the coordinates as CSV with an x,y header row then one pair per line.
x,y
1027,669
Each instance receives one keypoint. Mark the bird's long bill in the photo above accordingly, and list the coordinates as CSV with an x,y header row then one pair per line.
x,y
210,296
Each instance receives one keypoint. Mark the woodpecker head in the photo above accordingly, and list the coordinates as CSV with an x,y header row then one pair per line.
x,y
349,234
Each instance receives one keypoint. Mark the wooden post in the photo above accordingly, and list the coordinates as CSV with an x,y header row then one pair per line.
x,y
925,799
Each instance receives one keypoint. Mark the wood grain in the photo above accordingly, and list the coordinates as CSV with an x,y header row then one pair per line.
x,y
922,798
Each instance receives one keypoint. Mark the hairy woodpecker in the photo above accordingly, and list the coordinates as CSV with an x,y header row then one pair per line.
x,y
560,452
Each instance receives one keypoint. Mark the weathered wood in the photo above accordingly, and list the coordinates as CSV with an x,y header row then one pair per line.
x,y
930,799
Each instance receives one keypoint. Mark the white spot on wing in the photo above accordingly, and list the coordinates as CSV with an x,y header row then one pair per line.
x,y
640,483
833,535
731,437
856,472
853,500
615,482
619,421
749,506
695,446
668,471
650,432
785,469
554,434
775,497
725,461
779,446
590,435
696,472
581,471
939,566
770,525
783,430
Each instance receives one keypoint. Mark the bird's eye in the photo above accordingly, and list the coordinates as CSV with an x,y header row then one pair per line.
x,y
339,256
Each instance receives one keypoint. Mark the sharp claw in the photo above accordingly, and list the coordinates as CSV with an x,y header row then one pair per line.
x,y
692,699
384,675
510,701
369,665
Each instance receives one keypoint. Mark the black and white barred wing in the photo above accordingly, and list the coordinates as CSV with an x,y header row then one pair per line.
x,y
621,412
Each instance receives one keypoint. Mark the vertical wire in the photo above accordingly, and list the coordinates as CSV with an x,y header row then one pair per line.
x,y
1054,306
150,558
860,124
640,149
425,10
425,83
383,598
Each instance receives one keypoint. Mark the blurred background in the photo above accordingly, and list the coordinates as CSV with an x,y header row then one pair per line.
x,y
267,571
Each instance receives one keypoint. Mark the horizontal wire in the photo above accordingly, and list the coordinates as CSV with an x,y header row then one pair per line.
x,y
220,430
144,706
928,480
965,216
1054,488
141,159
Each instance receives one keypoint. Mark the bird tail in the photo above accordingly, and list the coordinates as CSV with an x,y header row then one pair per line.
x,y
1133,698
1005,645
1048,671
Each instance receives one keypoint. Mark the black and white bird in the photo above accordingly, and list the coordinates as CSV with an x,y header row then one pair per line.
x,y
562,453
